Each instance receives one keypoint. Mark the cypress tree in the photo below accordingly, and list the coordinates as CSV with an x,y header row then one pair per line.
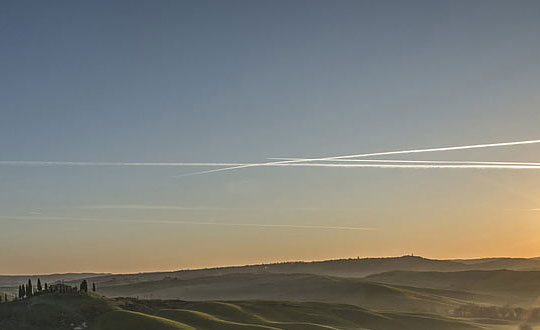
x,y
46,287
23,291
29,288
84,286
93,286
39,287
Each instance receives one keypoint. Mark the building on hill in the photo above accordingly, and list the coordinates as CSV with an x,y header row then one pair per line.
x,y
62,288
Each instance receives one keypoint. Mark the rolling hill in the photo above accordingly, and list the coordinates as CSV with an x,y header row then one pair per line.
x,y
358,268
47,312
341,268
518,287
300,288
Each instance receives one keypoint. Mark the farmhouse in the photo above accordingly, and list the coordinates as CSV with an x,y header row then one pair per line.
x,y
61,287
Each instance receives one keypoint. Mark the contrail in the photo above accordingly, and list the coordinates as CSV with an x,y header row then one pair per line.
x,y
62,163
464,162
185,208
410,166
292,226
299,162
409,151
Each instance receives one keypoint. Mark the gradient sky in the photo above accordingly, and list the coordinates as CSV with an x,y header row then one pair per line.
x,y
241,81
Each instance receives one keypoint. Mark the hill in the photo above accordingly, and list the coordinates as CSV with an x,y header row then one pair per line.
x,y
517,287
66,311
502,263
298,287
342,268
358,268
52,312
16,280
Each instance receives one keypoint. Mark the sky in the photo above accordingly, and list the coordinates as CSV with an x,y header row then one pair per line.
x,y
240,82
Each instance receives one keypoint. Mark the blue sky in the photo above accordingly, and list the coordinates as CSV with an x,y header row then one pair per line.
x,y
240,81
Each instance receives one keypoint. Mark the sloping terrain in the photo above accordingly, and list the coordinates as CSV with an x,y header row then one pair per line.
x,y
297,287
502,263
52,312
16,280
70,311
256,315
517,287
360,267
341,268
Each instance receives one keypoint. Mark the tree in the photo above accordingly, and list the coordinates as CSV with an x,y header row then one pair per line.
x,y
5,297
84,286
39,287
29,288
93,286
23,291
46,288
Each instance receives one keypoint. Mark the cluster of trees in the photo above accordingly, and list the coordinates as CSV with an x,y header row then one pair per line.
x,y
27,290
5,298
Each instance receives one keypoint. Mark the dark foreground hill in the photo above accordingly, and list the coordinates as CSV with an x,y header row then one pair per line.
x,y
58,312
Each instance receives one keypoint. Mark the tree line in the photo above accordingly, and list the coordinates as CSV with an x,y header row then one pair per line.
x,y
28,289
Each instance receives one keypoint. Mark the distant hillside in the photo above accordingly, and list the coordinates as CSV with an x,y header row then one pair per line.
x,y
502,263
62,312
298,287
519,287
353,268
358,268
16,280
341,268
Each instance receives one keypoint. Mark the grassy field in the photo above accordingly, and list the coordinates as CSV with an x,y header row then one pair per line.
x,y
68,311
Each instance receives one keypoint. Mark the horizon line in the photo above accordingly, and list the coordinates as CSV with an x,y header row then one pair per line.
x,y
457,259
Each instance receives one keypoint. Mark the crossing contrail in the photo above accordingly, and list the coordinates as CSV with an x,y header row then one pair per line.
x,y
172,222
309,162
408,166
293,162
464,162
408,151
